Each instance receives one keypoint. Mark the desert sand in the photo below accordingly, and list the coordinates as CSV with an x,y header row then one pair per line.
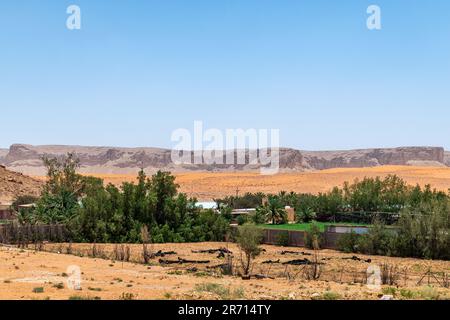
x,y
22,271
207,186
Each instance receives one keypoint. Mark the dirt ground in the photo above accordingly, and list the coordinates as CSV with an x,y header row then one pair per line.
x,y
27,274
208,186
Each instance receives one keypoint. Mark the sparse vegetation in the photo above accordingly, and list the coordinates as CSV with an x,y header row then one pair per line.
x,y
390,291
407,294
127,296
59,285
330,295
429,293
38,290
224,293
76,297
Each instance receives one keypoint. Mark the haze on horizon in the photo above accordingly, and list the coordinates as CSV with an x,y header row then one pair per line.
x,y
136,72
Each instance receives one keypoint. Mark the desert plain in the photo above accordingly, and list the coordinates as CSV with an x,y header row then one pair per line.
x,y
26,274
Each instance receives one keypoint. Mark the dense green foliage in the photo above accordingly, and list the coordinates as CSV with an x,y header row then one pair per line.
x,y
420,233
95,213
407,221
358,202
249,200
273,211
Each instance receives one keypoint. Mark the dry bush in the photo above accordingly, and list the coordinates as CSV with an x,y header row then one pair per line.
x,y
39,246
147,253
228,267
122,253
313,271
69,249
98,252
445,280
389,274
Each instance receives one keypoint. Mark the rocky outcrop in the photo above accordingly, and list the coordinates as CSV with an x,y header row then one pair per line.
x,y
374,157
447,158
13,184
28,159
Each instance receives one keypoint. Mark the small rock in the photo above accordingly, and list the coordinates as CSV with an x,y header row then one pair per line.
x,y
315,295
387,297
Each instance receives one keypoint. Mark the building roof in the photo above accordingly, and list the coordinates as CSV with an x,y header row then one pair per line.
x,y
207,205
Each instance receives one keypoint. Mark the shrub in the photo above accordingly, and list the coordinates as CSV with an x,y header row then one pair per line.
x,y
378,241
223,292
313,237
429,293
390,291
127,296
328,295
408,294
83,298
423,232
241,220
59,285
348,242
38,290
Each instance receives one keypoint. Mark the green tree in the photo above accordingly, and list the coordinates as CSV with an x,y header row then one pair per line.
x,y
164,188
249,240
274,210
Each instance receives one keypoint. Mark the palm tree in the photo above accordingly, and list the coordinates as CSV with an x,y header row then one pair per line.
x,y
274,210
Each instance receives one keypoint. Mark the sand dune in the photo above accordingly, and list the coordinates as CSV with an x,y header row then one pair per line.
x,y
207,186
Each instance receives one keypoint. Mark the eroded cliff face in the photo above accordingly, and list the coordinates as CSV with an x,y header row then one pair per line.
x,y
447,158
28,159
374,157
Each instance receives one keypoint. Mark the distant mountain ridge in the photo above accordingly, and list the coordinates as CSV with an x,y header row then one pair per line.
x,y
114,160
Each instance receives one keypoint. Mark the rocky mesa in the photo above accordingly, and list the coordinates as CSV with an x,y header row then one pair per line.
x,y
27,159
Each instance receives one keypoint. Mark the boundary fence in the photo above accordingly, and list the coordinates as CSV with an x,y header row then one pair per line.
x,y
17,234
297,238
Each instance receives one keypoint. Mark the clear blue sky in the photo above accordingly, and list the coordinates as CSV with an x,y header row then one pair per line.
x,y
140,69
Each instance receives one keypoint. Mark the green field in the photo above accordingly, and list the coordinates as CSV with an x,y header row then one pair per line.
x,y
307,226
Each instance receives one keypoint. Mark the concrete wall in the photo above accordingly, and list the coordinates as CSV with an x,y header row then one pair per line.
x,y
6,214
297,238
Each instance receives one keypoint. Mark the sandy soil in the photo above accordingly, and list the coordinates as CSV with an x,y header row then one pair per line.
x,y
21,271
208,186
